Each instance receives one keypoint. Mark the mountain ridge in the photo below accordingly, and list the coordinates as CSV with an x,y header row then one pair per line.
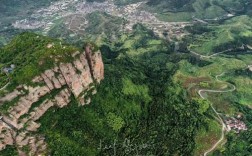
x,y
55,87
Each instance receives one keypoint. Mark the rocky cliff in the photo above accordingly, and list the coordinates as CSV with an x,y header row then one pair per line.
x,y
54,87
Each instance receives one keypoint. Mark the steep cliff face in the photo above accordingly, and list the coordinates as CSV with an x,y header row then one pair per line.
x,y
52,88
96,64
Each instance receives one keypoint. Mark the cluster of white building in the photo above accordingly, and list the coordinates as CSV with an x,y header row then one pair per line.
x,y
235,125
28,24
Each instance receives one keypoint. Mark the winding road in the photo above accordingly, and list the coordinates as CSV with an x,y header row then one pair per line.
x,y
228,50
209,56
200,92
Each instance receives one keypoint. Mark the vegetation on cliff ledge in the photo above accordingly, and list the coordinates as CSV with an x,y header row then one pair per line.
x,y
31,54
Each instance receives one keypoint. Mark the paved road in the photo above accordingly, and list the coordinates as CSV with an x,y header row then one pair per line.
x,y
209,56
228,50
200,92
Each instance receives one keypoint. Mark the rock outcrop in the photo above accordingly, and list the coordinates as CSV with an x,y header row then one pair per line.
x,y
54,89
96,64
6,134
250,67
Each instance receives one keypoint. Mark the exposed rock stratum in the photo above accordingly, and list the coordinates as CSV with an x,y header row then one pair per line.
x,y
61,83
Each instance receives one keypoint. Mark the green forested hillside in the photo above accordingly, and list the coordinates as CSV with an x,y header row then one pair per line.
x,y
30,54
148,103
137,108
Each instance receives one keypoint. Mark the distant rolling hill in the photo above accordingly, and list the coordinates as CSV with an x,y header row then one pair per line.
x,y
204,9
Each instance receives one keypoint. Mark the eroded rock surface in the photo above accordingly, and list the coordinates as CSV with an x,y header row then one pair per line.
x,y
55,88
6,134
96,64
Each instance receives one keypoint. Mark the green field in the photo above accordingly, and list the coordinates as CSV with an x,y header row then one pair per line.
x,y
231,34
